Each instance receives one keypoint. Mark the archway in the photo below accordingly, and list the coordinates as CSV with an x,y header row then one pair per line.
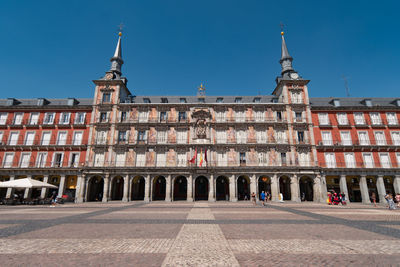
x,y
180,188
388,181
264,184
159,186
117,188
137,192
222,188
372,187
201,188
95,189
284,187
353,188
243,188
306,189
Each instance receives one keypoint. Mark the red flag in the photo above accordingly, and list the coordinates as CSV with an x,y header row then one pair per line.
x,y
201,157
205,155
193,160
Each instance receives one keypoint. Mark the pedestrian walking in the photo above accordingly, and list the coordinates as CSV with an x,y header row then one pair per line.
x,y
253,198
373,198
263,197
343,198
53,199
389,199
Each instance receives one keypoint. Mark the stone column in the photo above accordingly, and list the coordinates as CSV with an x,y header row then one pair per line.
x,y
253,185
80,189
232,189
211,195
380,185
61,186
274,188
126,188
317,188
168,189
10,191
364,190
189,194
396,184
343,187
43,192
28,191
106,187
294,188
147,189
324,189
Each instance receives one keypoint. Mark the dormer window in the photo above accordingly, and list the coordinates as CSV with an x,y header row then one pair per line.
x,y
368,102
336,102
146,100
182,100
238,100
164,100
398,102
106,97
71,101
257,100
201,100
220,100
274,100
40,102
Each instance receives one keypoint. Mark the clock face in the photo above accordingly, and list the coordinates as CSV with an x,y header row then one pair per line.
x,y
109,76
294,75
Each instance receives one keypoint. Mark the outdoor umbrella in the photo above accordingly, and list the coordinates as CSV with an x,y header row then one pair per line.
x,y
25,183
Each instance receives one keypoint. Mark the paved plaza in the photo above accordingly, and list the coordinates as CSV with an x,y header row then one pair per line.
x,y
198,234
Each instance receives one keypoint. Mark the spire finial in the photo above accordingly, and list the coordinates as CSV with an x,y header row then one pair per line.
x,y
286,59
116,60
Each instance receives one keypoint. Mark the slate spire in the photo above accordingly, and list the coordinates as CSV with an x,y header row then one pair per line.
x,y
286,59
116,60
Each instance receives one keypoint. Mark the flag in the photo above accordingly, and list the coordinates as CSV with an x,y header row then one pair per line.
x,y
193,160
205,156
201,157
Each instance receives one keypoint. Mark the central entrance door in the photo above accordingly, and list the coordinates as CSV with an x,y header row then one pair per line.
x,y
95,190
137,192
180,188
243,188
284,186
159,186
201,188
222,185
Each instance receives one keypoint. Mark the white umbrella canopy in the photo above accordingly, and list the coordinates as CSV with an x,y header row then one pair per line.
x,y
25,183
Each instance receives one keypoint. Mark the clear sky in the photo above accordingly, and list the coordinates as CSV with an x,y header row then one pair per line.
x,y
54,49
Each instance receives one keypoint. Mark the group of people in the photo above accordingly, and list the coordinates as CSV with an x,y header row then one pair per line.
x,y
390,201
336,198
264,197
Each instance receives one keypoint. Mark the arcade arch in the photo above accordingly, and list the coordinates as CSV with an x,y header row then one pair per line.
x,y
95,188
222,188
264,184
306,189
201,188
138,188
284,187
180,188
117,188
159,187
243,187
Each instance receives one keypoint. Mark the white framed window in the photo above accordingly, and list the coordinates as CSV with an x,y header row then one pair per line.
x,y
346,138
101,138
1,138
342,119
161,137
330,160
64,117
261,137
46,136
391,118
58,158
41,159
385,160
281,137
99,159
182,136
220,116
34,118
120,159
398,159
368,160
349,159
13,139
77,139
80,117
241,137
18,118
62,138
8,160
181,160
222,159
221,137
240,117
363,138
359,118
140,159
296,97
24,160
380,138
29,138
3,118
375,118
327,138
259,116
263,159
143,116
49,118
304,159
74,159
396,138
160,159
323,118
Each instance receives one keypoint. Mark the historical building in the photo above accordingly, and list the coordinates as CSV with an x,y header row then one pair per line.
x,y
119,146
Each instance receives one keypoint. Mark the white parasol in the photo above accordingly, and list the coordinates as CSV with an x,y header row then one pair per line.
x,y
25,183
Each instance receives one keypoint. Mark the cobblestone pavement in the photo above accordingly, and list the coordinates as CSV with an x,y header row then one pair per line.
x,y
199,234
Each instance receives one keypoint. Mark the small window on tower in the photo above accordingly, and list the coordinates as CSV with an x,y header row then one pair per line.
x,y
201,100
146,100
106,97
220,100
164,100
238,100
257,100
182,100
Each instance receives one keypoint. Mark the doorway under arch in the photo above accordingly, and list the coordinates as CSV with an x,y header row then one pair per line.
x,y
180,188
222,188
284,187
306,189
243,188
117,188
264,184
138,184
95,189
159,186
201,188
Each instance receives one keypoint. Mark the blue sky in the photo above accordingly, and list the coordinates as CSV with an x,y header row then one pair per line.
x,y
54,49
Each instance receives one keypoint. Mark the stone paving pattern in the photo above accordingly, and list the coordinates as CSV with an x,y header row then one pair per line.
x,y
199,234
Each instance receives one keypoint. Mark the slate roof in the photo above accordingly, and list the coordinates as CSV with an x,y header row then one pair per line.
x,y
47,102
355,101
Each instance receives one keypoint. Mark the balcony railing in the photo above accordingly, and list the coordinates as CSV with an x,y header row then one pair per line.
x,y
53,141
48,164
358,142
357,164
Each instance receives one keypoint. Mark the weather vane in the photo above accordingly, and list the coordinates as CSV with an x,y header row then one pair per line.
x,y
282,26
120,27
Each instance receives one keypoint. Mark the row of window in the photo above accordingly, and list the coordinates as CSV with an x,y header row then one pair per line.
x,y
363,138
64,118
368,161
359,118
41,160
46,138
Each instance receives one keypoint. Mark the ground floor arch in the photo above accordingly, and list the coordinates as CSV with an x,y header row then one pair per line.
x,y
389,187
222,188
117,188
353,189
95,188
138,188
372,188
243,187
201,188
306,188
159,188
264,184
180,188
284,187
